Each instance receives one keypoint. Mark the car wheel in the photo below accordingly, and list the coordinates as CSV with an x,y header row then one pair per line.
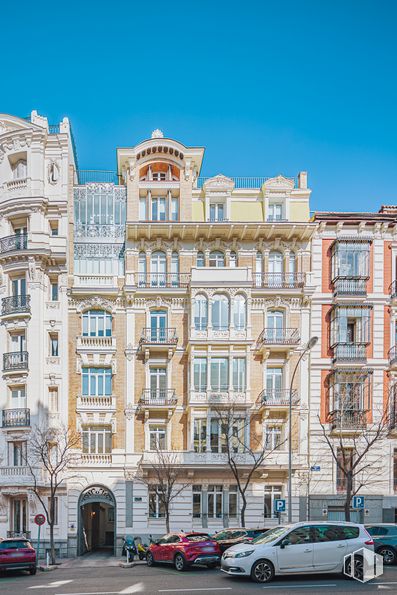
x,y
149,559
262,571
389,555
180,562
33,570
358,572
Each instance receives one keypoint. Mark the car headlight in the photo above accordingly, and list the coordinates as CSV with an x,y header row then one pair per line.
x,y
244,554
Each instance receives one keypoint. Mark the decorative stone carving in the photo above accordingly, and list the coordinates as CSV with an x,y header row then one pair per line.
x,y
129,352
129,411
97,493
53,172
32,268
279,183
95,302
157,133
219,183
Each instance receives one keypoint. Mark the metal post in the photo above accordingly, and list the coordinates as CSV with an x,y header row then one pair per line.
x,y
38,546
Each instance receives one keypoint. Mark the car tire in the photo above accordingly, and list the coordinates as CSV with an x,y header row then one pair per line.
x,y
179,563
150,561
358,568
33,570
389,555
262,571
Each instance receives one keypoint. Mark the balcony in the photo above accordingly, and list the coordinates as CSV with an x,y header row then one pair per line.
x,y
14,242
101,282
277,398
157,399
275,281
93,403
163,280
16,418
278,338
94,459
349,421
158,339
350,353
354,285
223,396
15,305
96,344
17,185
392,355
15,361
230,333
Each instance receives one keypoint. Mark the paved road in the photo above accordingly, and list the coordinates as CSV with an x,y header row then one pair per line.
x,y
165,580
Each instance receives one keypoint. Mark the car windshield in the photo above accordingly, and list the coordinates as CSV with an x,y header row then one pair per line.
x,y
14,545
270,535
222,535
200,537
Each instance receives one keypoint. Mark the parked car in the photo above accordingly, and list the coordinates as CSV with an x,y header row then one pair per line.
x,y
17,553
183,550
229,537
385,541
298,548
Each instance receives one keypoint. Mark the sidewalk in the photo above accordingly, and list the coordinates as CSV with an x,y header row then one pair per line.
x,y
93,560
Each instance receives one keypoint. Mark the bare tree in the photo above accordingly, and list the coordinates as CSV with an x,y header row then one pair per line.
x,y
164,478
50,454
245,454
351,443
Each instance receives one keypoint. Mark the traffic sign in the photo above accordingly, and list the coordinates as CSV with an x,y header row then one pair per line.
x,y
279,505
358,502
39,519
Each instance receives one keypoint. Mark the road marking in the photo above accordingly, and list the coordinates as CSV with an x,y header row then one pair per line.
x,y
51,585
198,589
138,588
299,586
133,589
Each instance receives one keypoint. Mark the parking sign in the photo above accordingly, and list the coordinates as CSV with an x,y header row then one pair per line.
x,y
279,505
358,502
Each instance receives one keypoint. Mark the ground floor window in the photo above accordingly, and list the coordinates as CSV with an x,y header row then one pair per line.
x,y
156,506
197,502
233,501
19,515
215,501
272,493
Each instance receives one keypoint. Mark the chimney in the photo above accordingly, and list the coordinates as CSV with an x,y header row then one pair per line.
x,y
302,179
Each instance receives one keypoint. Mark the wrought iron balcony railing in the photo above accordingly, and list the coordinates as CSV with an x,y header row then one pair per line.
x,y
159,336
393,289
392,355
284,336
278,397
349,419
15,304
355,285
350,352
15,360
158,397
14,242
15,418
163,279
279,280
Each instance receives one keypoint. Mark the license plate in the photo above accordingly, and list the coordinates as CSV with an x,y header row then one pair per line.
x,y
16,555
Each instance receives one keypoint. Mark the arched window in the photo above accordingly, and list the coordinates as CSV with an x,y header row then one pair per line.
x,y
233,259
158,269
200,312
217,259
200,259
20,170
274,325
258,269
220,312
239,312
175,269
142,269
97,323
275,268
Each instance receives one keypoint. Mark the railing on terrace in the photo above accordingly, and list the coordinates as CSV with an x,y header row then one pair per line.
x,y
348,420
54,128
356,285
160,336
163,279
279,280
14,242
91,458
393,408
14,418
15,360
277,397
96,402
283,336
15,304
99,176
350,352
96,342
249,182
158,397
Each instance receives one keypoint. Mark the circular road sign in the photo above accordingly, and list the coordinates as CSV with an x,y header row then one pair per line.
x,y
39,519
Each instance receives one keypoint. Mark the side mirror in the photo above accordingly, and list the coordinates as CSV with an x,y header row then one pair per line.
x,y
284,542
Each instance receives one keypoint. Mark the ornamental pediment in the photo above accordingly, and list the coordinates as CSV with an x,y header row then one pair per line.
x,y
219,183
279,183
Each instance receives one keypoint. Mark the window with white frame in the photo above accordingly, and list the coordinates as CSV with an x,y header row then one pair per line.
x,y
53,404
97,381
20,170
158,269
142,269
159,208
175,269
174,209
217,211
273,437
233,499
200,312
97,439
157,437
237,438
274,325
156,504
54,291
200,261
220,373
18,397
218,436
142,209
272,493
220,312
233,259
17,453
97,323
274,383
239,373
217,259
215,501
200,434
197,501
258,269
275,212
239,312
54,344
158,382
200,373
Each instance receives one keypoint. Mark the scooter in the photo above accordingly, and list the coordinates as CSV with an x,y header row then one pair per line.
x,y
129,548
141,548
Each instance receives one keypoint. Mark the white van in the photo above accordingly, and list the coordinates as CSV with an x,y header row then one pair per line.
x,y
307,547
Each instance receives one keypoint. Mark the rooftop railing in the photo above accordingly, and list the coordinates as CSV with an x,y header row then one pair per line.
x,y
248,182
99,176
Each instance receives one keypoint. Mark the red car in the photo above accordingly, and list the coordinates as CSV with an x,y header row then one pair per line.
x,y
17,553
183,550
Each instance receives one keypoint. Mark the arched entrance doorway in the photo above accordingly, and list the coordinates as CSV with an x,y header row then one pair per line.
x,y
97,520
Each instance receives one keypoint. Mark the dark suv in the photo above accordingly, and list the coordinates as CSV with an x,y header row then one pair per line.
x,y
385,541
229,537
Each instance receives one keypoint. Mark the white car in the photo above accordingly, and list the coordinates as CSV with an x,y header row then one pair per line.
x,y
307,547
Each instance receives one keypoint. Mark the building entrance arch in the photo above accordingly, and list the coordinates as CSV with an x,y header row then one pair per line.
x,y
96,520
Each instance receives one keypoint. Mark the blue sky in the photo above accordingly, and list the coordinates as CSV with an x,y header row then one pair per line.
x,y
266,86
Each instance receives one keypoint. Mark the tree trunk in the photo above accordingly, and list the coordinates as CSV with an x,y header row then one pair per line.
x,y
167,520
349,487
243,508
52,544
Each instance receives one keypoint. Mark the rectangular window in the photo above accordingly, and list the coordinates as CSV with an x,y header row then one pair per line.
x,y
157,437
156,506
217,212
218,436
344,465
200,435
53,405
197,501
215,501
55,508
97,439
54,228
97,381
233,501
97,323
272,493
237,438
54,345
142,209
239,373
17,453
54,291
159,209
275,212
273,437
220,373
200,373
18,397
174,209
